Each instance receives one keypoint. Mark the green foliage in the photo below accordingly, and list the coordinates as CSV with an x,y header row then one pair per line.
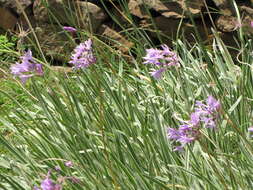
x,y
7,44
111,119
111,123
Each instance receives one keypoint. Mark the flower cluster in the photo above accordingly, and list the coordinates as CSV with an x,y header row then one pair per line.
x,y
27,68
163,59
83,55
49,184
205,115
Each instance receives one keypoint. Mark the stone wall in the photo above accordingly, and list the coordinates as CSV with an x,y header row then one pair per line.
x,y
107,18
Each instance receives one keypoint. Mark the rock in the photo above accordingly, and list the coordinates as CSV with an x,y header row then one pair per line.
x,y
227,23
248,29
170,26
86,15
12,4
193,7
22,22
138,9
52,11
123,44
167,26
55,43
247,13
8,20
225,7
122,21
247,10
170,9
90,16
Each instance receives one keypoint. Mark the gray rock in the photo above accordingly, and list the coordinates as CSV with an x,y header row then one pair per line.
x,y
8,20
227,23
53,11
225,6
55,43
170,27
113,36
12,4
247,18
169,9
90,16
86,15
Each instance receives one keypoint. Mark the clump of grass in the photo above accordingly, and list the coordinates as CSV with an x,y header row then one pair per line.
x,y
111,119
112,126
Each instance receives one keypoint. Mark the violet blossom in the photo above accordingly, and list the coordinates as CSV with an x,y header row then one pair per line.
x,y
158,73
57,168
48,184
208,112
27,68
69,29
162,58
185,134
68,164
205,115
83,55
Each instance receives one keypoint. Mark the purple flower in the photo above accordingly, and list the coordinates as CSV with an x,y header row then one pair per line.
x,y
57,168
250,129
24,66
36,188
178,148
163,59
170,56
188,132
153,56
48,184
212,104
251,24
24,78
69,29
185,139
158,73
208,113
195,119
83,55
185,134
173,134
209,122
39,69
69,164
27,67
